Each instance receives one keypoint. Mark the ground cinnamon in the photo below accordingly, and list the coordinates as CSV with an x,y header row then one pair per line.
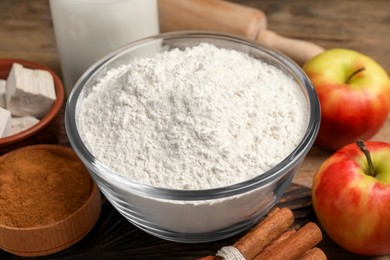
x,y
40,185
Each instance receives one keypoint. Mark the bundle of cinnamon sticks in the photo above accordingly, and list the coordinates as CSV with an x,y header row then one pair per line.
x,y
273,238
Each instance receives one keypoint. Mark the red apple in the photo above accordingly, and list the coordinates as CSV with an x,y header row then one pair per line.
x,y
351,197
354,93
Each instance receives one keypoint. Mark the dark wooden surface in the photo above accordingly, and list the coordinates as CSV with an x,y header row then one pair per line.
x,y
113,237
26,32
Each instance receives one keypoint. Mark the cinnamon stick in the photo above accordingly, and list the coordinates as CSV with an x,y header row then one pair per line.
x,y
313,254
277,221
294,246
209,257
286,234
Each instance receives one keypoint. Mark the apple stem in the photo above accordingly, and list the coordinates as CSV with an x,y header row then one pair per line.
x,y
354,73
363,148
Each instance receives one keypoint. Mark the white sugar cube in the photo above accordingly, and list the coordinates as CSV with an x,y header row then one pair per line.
x,y
29,92
5,122
19,124
2,93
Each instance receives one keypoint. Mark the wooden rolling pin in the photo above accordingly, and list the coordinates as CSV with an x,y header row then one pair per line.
x,y
228,17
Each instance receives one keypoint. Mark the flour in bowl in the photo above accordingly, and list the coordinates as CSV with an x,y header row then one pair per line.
x,y
199,118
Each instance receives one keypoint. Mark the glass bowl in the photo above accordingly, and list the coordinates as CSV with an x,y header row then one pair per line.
x,y
192,216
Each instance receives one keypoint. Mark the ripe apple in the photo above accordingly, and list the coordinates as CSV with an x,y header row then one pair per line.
x,y
351,197
354,93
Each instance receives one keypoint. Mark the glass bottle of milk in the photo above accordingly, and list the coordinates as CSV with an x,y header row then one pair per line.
x,y
87,30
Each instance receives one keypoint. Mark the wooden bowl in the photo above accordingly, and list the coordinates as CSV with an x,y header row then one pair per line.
x,y
47,129
59,234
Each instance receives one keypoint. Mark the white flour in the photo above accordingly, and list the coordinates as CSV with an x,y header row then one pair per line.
x,y
200,118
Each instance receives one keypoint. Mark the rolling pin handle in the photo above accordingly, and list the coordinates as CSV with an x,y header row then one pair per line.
x,y
298,50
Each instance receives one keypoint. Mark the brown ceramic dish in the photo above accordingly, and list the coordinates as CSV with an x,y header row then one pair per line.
x,y
46,130
46,239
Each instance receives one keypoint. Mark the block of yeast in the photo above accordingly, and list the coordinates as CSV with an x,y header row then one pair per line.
x,y
29,92
2,93
19,124
5,122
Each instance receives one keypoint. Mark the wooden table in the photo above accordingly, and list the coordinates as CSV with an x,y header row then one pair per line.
x,y
26,32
